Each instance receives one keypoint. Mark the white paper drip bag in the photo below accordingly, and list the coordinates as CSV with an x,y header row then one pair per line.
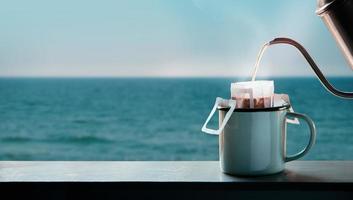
x,y
253,94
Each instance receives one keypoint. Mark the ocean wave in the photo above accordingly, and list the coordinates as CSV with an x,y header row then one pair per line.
x,y
16,156
83,139
84,121
31,103
16,139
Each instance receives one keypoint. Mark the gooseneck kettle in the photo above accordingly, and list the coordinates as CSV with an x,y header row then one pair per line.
x,y
338,17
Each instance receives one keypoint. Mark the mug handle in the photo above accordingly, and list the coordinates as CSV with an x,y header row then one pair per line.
x,y
312,135
219,101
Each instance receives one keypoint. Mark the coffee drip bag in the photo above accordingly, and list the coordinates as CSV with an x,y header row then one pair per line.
x,y
249,95
253,94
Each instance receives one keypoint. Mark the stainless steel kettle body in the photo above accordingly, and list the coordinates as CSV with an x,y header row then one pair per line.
x,y
338,17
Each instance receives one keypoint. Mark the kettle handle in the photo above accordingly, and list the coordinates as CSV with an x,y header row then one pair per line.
x,y
219,102
320,76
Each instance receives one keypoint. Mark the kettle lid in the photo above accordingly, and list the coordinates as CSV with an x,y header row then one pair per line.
x,y
324,5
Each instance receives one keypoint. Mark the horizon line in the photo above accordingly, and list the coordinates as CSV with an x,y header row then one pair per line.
x,y
175,77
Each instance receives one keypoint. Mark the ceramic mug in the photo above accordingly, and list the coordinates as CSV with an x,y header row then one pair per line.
x,y
253,141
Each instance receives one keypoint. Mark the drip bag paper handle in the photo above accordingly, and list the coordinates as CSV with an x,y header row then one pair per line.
x,y
223,103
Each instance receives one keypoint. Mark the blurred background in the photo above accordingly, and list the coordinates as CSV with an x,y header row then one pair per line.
x,y
135,80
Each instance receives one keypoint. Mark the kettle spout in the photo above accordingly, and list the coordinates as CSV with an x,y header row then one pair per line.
x,y
314,67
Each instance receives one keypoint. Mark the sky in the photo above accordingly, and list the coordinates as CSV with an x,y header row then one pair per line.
x,y
162,38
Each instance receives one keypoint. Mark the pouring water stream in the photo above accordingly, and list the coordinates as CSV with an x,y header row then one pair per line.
x,y
259,57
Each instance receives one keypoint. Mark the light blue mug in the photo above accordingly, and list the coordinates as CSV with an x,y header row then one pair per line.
x,y
253,141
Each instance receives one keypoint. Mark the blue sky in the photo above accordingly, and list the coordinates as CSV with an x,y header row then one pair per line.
x,y
161,38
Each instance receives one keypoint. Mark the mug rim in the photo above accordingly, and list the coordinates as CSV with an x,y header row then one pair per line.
x,y
270,109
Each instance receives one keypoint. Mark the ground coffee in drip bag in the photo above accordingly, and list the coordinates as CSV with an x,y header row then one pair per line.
x,y
253,94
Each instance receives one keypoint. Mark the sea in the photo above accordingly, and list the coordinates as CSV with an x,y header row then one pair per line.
x,y
151,118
